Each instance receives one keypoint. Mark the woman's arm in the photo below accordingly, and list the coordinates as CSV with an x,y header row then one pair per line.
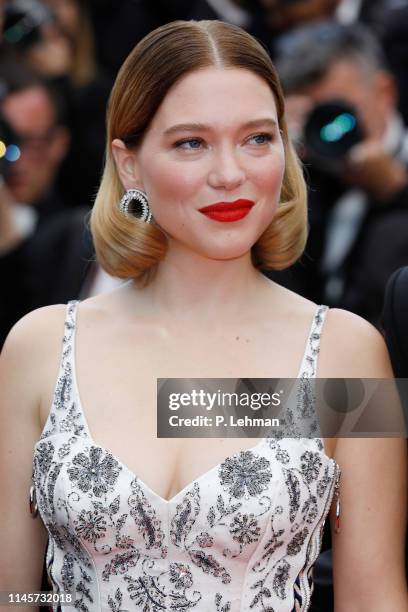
x,y
23,366
368,553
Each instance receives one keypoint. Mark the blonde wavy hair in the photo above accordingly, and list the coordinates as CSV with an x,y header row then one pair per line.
x,y
126,247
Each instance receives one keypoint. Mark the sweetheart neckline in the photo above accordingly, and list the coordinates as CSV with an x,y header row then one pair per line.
x,y
127,469
144,484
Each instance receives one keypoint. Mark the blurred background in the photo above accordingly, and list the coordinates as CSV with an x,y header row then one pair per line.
x,y
343,66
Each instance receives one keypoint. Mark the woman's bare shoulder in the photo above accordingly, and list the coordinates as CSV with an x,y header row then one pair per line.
x,y
33,347
29,363
36,329
352,347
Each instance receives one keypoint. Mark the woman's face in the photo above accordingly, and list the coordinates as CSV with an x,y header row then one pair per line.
x,y
215,139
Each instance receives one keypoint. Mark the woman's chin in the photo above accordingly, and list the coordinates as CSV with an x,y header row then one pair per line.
x,y
214,247
225,253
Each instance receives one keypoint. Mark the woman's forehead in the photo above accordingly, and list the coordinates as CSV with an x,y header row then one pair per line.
x,y
217,95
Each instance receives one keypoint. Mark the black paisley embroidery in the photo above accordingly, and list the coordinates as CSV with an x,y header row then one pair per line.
x,y
45,453
55,534
67,572
145,517
209,565
323,482
280,580
116,603
120,564
51,429
146,594
222,510
306,400
310,509
52,479
185,517
259,599
274,542
84,591
64,450
220,606
72,422
80,554
295,545
63,389
293,487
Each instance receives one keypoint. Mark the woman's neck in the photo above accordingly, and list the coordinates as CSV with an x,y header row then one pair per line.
x,y
192,289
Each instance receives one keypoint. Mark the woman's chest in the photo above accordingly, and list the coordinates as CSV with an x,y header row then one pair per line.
x,y
115,389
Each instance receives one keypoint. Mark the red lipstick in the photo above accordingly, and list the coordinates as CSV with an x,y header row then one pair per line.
x,y
228,211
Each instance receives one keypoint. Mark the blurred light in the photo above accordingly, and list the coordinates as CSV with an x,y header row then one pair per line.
x,y
334,131
331,132
14,35
346,121
13,153
2,148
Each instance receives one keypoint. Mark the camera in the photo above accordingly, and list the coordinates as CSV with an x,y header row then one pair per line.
x,y
331,130
23,20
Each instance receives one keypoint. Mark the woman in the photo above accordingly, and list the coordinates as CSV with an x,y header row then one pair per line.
x,y
196,126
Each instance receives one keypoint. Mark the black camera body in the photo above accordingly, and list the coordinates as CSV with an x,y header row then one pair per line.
x,y
23,20
331,130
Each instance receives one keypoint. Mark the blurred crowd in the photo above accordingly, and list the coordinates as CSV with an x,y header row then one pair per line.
x,y
343,69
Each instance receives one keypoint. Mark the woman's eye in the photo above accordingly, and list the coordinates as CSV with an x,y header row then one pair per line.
x,y
189,144
260,139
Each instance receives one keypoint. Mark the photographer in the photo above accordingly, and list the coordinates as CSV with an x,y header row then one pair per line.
x,y
359,181
43,247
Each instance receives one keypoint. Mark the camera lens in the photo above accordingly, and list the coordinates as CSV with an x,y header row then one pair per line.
x,y
331,130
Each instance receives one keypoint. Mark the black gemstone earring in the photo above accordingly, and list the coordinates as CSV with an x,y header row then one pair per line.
x,y
135,203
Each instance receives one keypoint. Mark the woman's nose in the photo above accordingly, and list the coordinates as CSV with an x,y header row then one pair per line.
x,y
226,172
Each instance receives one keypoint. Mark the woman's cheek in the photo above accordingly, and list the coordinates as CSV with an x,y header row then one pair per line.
x,y
267,176
177,181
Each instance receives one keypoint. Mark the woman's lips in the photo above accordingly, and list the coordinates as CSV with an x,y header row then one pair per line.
x,y
228,211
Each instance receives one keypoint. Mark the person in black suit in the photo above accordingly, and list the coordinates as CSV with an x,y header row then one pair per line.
x,y
395,321
44,248
395,325
359,207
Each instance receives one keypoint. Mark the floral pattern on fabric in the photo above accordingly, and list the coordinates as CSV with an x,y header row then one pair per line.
x,y
242,537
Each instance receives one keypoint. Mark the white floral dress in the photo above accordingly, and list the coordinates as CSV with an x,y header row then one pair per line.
x,y
241,537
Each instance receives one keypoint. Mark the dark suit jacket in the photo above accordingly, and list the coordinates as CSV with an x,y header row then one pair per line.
x,y
395,324
395,321
47,268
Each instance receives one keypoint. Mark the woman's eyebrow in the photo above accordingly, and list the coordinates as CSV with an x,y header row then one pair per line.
x,y
201,127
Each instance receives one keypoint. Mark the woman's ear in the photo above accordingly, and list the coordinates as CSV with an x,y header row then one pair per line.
x,y
126,165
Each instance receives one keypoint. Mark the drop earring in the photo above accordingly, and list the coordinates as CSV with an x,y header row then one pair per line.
x,y
135,203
